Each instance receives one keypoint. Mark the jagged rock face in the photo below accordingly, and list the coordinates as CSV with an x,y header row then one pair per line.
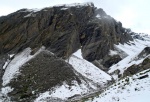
x,y
62,30
100,35
55,28
40,74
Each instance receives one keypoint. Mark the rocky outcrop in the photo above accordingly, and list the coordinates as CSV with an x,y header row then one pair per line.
x,y
110,60
137,68
144,53
107,62
143,66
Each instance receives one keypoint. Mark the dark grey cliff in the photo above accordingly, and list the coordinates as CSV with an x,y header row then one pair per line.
x,y
62,30
55,28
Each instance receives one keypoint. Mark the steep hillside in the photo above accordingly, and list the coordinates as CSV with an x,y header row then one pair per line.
x,y
131,74
131,89
45,73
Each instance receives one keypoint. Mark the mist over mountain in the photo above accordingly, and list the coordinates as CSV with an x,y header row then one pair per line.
x,y
70,53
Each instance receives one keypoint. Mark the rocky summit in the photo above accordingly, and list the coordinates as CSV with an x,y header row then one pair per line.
x,y
66,53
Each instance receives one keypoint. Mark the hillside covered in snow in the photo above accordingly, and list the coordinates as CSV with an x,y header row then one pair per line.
x,y
135,88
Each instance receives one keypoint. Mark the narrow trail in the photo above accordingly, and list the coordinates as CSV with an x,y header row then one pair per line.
x,y
80,98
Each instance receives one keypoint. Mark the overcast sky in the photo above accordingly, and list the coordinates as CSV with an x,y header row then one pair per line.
x,y
134,14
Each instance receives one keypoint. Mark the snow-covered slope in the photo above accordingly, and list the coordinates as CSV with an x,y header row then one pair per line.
x,y
64,92
94,79
131,89
88,70
129,53
134,88
12,68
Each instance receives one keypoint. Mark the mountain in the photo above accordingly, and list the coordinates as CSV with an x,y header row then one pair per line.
x,y
66,53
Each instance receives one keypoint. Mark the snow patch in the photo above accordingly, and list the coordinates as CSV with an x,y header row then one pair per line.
x,y
88,70
31,10
3,94
42,96
78,54
6,90
63,92
112,53
98,16
76,4
64,8
11,55
6,64
30,15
